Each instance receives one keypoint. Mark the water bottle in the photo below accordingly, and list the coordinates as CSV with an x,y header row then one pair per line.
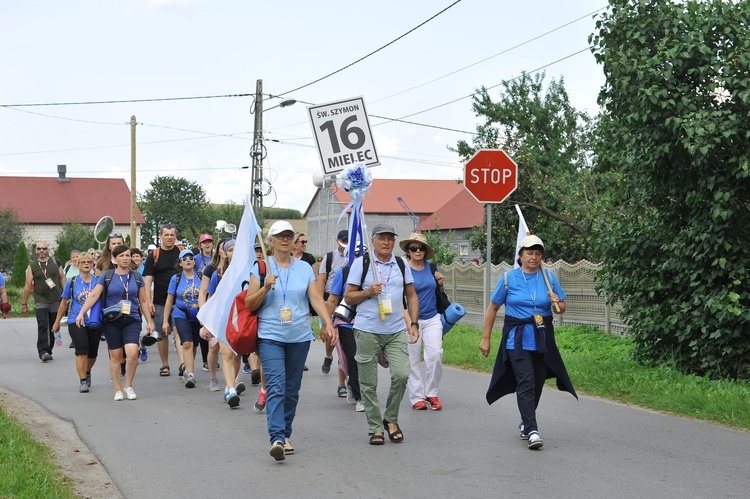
x,y
58,339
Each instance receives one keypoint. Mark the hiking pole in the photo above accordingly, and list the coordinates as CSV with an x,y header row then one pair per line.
x,y
549,287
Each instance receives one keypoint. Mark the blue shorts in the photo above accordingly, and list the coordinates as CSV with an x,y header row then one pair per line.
x,y
122,331
188,330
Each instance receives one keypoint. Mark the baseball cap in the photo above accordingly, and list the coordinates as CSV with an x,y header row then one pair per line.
x,y
280,226
151,247
205,237
186,252
384,229
531,241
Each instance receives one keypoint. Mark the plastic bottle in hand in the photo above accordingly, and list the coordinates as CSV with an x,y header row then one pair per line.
x,y
58,339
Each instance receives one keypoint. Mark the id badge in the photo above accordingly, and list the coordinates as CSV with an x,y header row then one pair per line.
x,y
539,321
49,282
387,306
286,316
125,307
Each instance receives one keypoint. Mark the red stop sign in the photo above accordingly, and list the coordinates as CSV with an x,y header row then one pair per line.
x,y
490,176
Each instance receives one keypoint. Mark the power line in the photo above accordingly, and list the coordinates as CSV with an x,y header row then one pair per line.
x,y
374,51
161,99
492,56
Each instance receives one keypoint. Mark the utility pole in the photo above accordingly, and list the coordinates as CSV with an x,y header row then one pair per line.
x,y
133,242
256,188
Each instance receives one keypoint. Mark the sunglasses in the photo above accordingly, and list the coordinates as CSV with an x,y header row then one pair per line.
x,y
417,248
284,237
188,258
115,234
303,241
42,248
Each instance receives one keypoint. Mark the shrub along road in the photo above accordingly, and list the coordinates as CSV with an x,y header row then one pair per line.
x,y
175,442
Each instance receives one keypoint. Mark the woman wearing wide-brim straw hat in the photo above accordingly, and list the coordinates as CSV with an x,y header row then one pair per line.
x,y
423,391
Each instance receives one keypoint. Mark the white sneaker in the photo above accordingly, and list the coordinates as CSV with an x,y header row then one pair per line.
x,y
118,396
277,450
213,385
129,392
288,447
535,441
359,407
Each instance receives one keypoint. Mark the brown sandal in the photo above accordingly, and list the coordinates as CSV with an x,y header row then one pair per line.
x,y
376,439
164,371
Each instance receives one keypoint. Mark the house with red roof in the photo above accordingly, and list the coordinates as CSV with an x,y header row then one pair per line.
x,y
442,205
45,204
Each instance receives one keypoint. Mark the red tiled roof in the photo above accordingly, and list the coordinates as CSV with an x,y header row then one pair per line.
x,y
423,197
461,212
45,200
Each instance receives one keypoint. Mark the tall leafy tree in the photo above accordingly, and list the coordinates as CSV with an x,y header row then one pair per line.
x,y
677,131
177,201
549,140
20,262
75,236
11,233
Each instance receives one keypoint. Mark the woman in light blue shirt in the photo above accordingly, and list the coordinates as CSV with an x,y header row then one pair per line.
x,y
285,332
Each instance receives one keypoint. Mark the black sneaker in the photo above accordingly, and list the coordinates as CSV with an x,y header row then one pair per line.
x,y
255,377
45,357
205,367
327,361
84,388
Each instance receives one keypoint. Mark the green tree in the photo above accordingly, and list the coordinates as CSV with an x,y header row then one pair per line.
x,y
676,128
177,201
62,252
74,236
444,255
280,214
20,262
11,232
550,142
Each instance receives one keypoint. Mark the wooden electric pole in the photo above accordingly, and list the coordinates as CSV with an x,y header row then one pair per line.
x,y
133,242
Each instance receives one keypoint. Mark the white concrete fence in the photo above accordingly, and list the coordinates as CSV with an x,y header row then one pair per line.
x,y
465,284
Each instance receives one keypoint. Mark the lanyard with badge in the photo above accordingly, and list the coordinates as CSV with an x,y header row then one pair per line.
x,y
125,302
47,280
286,311
538,319
386,299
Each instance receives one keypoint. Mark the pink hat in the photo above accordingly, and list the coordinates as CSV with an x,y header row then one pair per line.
x,y
205,237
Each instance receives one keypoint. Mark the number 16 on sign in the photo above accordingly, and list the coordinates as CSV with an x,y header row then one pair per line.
x,y
342,134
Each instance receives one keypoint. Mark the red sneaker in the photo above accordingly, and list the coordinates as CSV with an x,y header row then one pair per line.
x,y
421,405
435,404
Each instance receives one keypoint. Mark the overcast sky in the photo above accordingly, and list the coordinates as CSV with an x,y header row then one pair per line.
x,y
101,50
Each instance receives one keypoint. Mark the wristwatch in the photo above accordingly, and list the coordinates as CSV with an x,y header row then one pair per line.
x,y
416,324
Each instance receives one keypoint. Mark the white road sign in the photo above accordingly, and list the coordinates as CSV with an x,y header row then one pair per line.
x,y
342,134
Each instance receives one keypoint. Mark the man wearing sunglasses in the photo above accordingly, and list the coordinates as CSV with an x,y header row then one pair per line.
x,y
46,275
160,266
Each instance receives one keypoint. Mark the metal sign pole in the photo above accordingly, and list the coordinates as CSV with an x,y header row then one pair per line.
x,y
488,270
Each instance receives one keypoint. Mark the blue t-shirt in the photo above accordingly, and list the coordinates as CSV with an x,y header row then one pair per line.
x,y
290,291
337,285
215,278
368,311
122,286
424,285
185,295
2,280
201,262
525,297
81,291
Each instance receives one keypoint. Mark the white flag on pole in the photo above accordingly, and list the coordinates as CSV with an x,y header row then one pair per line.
x,y
523,231
215,313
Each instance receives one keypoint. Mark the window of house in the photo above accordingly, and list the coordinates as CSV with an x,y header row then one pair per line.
x,y
463,249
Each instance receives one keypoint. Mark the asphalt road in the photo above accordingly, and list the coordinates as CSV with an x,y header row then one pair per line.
x,y
175,442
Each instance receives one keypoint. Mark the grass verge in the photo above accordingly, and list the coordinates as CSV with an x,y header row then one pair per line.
x,y
26,466
601,364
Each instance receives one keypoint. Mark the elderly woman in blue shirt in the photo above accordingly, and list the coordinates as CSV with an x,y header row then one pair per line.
x,y
528,353
284,331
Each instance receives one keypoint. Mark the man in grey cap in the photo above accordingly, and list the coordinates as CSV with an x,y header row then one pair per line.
x,y
332,261
378,288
